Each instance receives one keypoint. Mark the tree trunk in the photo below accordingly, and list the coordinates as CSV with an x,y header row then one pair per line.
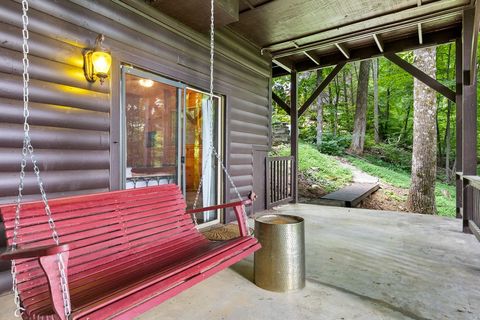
x,y
439,141
319,103
375,101
421,196
405,126
387,113
447,142
447,129
335,107
352,95
360,122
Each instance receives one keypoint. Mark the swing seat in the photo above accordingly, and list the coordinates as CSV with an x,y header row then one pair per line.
x,y
125,252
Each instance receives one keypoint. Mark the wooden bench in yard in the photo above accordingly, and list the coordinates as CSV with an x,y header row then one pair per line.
x,y
126,252
350,196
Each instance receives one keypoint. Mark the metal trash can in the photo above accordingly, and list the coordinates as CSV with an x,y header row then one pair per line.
x,y
280,264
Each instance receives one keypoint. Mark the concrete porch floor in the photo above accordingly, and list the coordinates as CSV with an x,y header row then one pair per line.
x,y
361,264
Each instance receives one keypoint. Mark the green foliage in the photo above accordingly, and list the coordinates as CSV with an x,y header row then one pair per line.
x,y
395,89
335,145
390,155
444,194
323,169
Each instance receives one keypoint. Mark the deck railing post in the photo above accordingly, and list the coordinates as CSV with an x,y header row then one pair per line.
x,y
458,128
294,133
268,183
469,111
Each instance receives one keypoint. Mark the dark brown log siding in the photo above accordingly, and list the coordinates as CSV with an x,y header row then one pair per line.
x,y
73,128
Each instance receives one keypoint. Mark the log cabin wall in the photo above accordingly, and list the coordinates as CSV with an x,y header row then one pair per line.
x,y
75,124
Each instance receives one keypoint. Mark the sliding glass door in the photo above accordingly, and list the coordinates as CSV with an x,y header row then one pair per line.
x,y
168,132
201,133
152,116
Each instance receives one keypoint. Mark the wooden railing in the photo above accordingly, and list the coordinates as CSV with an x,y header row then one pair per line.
x,y
279,180
472,215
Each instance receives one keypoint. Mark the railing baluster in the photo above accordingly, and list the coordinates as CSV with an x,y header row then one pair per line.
x,y
278,180
473,213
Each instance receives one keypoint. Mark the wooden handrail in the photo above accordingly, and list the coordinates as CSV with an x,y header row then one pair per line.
x,y
220,206
474,181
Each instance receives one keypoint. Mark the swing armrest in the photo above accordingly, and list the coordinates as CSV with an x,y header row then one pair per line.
x,y
36,252
251,197
237,208
220,206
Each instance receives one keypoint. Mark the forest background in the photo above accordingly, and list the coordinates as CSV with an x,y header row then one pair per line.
x,y
327,126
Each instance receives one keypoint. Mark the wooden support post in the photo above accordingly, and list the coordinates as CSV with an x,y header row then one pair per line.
x,y
422,76
458,126
282,104
294,133
320,88
469,112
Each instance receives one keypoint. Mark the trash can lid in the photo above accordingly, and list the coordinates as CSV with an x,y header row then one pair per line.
x,y
279,219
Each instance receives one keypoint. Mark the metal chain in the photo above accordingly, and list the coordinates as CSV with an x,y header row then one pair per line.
x,y
28,149
212,147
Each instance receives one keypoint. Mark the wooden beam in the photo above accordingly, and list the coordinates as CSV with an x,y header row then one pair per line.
x,y
320,88
379,42
308,55
371,51
420,34
294,133
469,113
282,104
458,124
422,76
282,65
470,34
419,26
343,49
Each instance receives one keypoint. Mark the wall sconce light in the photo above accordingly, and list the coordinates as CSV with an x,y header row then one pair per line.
x,y
97,61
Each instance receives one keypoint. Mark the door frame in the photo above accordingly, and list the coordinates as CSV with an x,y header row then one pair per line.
x,y
219,147
128,69
182,88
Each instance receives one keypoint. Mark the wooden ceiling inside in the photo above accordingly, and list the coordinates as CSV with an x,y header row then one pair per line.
x,y
307,34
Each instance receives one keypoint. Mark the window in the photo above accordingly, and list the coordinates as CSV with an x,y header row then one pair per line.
x,y
168,132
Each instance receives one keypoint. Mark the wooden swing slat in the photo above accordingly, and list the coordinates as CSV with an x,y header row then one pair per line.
x,y
91,211
94,276
129,250
102,257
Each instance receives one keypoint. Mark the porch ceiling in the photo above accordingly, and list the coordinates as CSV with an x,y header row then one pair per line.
x,y
308,34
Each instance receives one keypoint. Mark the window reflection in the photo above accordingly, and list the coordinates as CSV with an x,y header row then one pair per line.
x,y
151,127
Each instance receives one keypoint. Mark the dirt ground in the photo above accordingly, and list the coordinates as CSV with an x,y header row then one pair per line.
x,y
308,189
388,198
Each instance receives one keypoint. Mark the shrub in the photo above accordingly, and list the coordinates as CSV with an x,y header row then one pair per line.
x,y
335,145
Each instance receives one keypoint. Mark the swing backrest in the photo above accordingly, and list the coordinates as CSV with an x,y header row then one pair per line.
x,y
101,228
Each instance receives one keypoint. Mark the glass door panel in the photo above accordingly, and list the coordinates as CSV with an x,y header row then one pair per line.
x,y
151,130
201,131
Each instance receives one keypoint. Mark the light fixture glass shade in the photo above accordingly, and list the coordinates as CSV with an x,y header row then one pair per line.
x,y
97,61
101,61
147,83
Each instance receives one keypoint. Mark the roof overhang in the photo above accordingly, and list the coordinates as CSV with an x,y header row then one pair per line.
x,y
311,34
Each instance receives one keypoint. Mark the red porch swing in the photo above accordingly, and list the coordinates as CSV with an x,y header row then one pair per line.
x,y
115,254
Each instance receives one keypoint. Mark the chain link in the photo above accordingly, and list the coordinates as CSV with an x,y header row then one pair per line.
x,y
211,148
27,149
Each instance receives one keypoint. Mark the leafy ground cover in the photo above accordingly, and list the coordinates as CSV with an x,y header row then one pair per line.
x,y
320,170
